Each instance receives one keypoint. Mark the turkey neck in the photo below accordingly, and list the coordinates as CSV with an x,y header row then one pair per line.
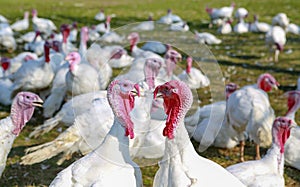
x,y
181,142
276,158
115,146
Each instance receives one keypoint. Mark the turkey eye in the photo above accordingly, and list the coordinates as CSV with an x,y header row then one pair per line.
x,y
27,97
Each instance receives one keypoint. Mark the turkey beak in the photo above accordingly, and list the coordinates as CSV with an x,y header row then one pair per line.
x,y
38,102
157,93
275,86
137,90
68,58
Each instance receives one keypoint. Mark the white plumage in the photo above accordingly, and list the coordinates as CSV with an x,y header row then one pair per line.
x,y
100,16
43,25
34,75
169,18
145,25
193,77
21,24
21,111
69,111
291,153
276,38
259,26
241,27
207,38
110,164
267,172
220,13
281,20
249,109
181,165
241,13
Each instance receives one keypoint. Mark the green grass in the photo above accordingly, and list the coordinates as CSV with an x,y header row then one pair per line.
x,y
242,58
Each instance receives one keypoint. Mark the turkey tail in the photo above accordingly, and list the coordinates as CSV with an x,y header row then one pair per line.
x,y
53,101
47,126
62,144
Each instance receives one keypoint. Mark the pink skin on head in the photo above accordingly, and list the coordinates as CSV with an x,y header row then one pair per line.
x,y
22,109
27,58
118,53
293,101
65,30
5,63
172,57
56,46
84,35
209,10
34,13
26,15
178,99
281,131
279,47
133,40
74,59
120,94
230,88
151,70
189,62
266,82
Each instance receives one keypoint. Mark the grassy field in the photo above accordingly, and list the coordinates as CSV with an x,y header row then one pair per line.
x,y
242,58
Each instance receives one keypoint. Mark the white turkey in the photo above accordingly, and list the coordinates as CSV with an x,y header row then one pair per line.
x,y
104,27
34,75
21,24
293,28
10,127
259,26
219,13
275,40
83,136
86,134
281,20
100,16
43,25
225,27
29,37
207,38
181,165
248,109
179,26
136,52
82,77
192,76
93,34
73,32
111,160
57,93
291,153
169,18
36,46
155,47
13,64
209,129
241,13
145,25
6,91
269,170
241,27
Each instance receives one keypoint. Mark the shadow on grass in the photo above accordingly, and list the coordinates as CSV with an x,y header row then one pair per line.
x,y
40,174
